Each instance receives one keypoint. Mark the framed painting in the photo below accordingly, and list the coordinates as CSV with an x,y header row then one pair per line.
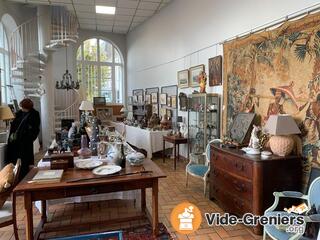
x,y
130,100
163,111
148,99
193,75
155,108
135,99
215,71
183,78
154,97
168,101
174,101
241,127
163,98
140,99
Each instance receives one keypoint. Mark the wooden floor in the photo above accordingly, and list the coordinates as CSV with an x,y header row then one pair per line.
x,y
172,190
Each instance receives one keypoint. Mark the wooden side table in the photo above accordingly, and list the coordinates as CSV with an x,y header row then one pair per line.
x,y
175,141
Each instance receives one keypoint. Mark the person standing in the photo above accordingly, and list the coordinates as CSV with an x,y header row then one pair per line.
x,y
24,131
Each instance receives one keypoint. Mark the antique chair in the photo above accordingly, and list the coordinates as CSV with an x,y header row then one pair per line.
x,y
8,211
313,199
201,170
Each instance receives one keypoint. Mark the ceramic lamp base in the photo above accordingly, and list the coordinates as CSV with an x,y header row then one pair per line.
x,y
281,145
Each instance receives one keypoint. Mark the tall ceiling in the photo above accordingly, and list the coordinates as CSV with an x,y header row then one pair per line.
x,y
129,13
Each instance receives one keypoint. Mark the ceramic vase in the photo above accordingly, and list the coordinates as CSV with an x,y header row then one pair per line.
x,y
281,145
84,151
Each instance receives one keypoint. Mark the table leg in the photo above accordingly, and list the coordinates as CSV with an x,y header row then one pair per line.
x,y
143,200
155,220
29,216
175,156
44,211
164,150
178,152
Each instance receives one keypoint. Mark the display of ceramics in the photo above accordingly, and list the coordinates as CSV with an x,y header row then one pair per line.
x,y
106,170
88,164
135,159
103,148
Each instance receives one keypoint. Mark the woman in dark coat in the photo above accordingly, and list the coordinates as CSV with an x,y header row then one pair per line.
x,y
23,132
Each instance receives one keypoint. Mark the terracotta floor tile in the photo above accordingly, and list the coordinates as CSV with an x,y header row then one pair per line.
x,y
172,191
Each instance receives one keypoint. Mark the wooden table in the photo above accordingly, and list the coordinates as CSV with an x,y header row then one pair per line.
x,y
175,141
43,192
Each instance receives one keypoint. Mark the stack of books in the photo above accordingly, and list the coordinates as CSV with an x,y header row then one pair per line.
x,y
48,176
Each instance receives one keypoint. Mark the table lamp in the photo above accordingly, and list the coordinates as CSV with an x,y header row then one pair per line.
x,y
179,120
86,106
6,114
281,127
124,111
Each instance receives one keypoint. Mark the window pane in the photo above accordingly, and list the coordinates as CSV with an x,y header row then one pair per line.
x,y
107,95
79,54
79,72
1,36
117,57
91,81
90,49
106,78
118,83
105,51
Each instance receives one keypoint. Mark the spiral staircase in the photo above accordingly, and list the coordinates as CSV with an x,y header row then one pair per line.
x,y
28,57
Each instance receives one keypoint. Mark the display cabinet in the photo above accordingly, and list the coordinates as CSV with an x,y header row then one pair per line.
x,y
203,120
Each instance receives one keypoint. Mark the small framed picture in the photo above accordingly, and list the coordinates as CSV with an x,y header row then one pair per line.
x,y
183,78
154,97
194,72
130,100
168,101
135,99
163,98
155,108
163,111
169,113
140,99
148,99
174,101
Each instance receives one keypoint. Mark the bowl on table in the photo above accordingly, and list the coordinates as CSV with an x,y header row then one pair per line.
x,y
135,159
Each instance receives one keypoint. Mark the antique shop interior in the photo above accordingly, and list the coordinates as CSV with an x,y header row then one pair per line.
x,y
159,119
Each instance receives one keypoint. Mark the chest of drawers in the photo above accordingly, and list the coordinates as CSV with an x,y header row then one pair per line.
x,y
242,183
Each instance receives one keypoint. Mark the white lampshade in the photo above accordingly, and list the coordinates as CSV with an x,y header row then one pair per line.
x,y
86,106
123,110
6,113
282,124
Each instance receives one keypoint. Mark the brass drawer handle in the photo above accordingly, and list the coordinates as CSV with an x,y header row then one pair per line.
x,y
239,187
240,167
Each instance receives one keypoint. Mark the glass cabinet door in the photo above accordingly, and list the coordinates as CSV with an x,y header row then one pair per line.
x,y
203,121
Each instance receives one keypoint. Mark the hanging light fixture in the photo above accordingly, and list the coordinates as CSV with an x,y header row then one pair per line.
x,y
66,82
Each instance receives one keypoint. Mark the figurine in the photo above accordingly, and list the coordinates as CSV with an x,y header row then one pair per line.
x,y
254,144
202,79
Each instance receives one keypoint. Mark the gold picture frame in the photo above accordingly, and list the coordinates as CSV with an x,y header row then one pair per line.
x,y
194,73
183,78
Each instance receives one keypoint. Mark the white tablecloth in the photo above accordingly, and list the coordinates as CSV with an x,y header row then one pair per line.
x,y
151,141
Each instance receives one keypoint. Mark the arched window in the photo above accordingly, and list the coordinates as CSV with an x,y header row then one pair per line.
x,y
4,65
100,69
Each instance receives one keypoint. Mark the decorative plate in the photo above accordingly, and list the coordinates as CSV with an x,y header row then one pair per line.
x,y
88,164
106,170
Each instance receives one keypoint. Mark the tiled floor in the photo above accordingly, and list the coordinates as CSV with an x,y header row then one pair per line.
x,y
172,190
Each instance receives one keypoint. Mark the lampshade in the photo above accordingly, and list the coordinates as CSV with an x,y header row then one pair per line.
x,y
123,110
6,113
282,124
86,106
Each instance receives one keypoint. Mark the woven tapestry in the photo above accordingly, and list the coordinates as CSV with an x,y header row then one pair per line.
x,y
277,71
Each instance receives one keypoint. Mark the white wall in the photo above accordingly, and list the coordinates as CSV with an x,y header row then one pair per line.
x,y
186,26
